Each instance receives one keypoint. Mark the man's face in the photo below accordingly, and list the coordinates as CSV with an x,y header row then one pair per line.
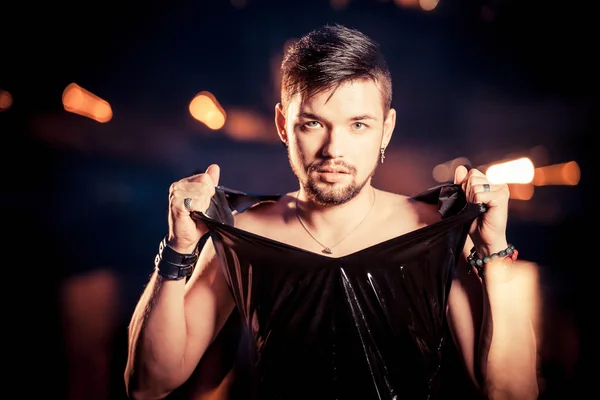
x,y
334,140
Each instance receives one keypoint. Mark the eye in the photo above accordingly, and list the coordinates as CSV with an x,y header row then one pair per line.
x,y
311,124
359,125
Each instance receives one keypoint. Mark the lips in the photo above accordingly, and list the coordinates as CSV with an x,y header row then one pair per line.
x,y
333,170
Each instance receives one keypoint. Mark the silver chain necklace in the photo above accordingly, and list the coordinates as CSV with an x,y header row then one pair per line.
x,y
327,249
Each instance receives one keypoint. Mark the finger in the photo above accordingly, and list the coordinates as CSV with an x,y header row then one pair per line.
x,y
214,171
480,184
488,194
473,176
192,201
188,204
460,173
198,193
210,176
194,193
201,183
474,172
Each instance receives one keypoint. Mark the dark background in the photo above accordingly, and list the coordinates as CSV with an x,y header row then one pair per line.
x,y
86,202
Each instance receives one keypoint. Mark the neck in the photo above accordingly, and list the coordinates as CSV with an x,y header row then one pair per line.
x,y
335,217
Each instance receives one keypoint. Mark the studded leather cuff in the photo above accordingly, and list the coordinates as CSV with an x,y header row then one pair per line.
x,y
172,272
173,265
168,254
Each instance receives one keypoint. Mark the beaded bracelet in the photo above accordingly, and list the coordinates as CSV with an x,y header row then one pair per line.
x,y
508,255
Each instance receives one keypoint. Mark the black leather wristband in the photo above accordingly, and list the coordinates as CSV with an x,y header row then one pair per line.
x,y
172,272
168,254
173,265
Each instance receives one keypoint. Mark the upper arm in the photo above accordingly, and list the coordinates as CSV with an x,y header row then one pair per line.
x,y
208,303
465,312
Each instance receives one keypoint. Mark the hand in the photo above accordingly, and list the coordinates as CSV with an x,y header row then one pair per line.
x,y
488,231
184,232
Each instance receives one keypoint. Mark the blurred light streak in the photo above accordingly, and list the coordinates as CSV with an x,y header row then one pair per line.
x,y
246,125
566,174
521,191
444,172
205,108
520,170
407,3
6,100
428,5
78,100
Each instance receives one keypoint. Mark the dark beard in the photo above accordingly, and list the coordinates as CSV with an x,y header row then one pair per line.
x,y
330,196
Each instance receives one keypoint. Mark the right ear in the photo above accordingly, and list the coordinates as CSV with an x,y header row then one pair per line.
x,y
280,123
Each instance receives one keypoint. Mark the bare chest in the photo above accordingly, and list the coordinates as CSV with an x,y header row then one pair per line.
x,y
337,243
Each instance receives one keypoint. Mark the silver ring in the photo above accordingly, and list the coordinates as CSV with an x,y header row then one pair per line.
x,y
486,187
187,203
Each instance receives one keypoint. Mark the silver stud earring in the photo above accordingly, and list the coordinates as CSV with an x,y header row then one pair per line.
x,y
382,154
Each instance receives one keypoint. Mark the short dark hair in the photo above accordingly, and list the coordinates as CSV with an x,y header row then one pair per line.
x,y
330,56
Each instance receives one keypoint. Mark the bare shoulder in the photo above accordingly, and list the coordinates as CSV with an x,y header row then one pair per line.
x,y
405,212
393,215
265,214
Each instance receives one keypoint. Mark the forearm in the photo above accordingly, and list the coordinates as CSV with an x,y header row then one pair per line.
x,y
157,340
509,346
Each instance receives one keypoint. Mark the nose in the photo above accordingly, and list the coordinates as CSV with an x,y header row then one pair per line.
x,y
334,144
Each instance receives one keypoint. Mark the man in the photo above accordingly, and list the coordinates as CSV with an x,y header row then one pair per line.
x,y
346,291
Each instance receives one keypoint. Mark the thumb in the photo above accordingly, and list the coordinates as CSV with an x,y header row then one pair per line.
x,y
214,171
459,174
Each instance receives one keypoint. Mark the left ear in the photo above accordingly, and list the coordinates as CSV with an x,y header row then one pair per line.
x,y
388,127
280,123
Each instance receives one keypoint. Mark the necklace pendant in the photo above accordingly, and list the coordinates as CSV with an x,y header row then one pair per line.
x,y
327,250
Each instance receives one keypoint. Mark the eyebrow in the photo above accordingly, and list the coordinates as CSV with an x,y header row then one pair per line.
x,y
307,115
